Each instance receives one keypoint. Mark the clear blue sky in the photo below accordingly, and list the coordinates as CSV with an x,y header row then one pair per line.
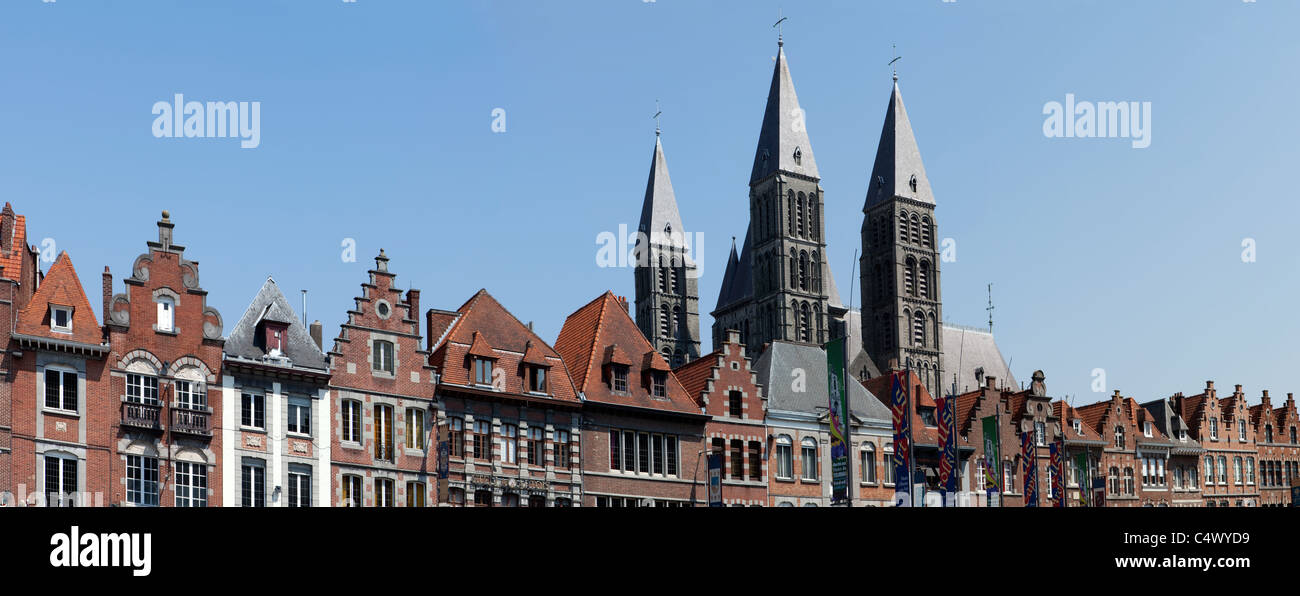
x,y
376,125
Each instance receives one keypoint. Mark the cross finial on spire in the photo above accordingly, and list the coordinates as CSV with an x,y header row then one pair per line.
x,y
896,59
780,32
658,112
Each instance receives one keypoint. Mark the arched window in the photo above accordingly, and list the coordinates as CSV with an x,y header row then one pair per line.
x,y
663,320
1209,469
1128,481
799,227
886,337
909,277
925,233
1223,469
808,458
674,277
677,323
1236,470
166,313
868,463
803,322
794,269
918,328
789,218
784,457
902,228
1113,476
817,318
888,460
1119,437
815,271
663,275
923,279
916,228
803,270
814,228
880,282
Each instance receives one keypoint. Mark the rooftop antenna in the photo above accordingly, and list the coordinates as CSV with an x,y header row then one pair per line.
x,y
896,59
990,308
658,113
780,32
304,305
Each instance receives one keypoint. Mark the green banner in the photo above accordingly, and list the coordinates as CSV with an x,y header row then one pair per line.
x,y
992,455
838,396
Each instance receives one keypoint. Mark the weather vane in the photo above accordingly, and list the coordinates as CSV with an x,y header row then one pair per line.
x,y
780,31
896,59
658,112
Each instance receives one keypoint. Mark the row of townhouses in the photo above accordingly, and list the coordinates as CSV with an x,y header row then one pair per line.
x,y
155,403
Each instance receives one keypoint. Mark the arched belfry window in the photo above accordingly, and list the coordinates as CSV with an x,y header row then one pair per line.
x,y
923,279
918,328
799,227
814,226
794,269
815,271
909,277
916,228
663,320
803,270
789,217
902,228
805,326
925,233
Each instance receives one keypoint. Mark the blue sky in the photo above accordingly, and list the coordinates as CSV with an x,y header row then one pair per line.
x,y
376,125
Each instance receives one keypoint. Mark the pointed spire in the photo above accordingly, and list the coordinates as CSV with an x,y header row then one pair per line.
x,y
898,171
737,279
783,142
660,221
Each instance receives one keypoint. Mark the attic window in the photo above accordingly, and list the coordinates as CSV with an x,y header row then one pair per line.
x,y
1146,428
880,181
61,319
1078,426
798,155
618,378
912,183
658,382
766,155
166,313
383,309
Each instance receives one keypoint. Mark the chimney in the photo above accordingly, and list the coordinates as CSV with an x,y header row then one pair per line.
x,y
413,313
530,325
315,331
733,336
622,301
1237,391
1268,405
108,292
990,382
1209,389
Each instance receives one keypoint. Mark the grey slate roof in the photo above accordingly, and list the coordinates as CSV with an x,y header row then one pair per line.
x,y
897,159
775,370
270,304
964,350
784,130
659,210
737,280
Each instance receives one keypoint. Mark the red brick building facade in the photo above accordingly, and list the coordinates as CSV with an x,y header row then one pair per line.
x,y
164,371
1221,426
19,276
643,443
1277,448
510,412
726,388
382,414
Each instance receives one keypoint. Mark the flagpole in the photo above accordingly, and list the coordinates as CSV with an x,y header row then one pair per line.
x,y
911,445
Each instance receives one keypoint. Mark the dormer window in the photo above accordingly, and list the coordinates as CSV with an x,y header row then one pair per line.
x,y
537,379
658,383
1078,426
61,319
166,313
927,416
1146,429
482,371
618,378
1182,435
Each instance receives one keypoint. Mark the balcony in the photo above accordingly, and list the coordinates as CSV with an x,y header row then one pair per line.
x,y
142,415
191,421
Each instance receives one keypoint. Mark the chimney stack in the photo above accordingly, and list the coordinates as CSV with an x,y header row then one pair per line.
x,y
413,313
108,292
315,331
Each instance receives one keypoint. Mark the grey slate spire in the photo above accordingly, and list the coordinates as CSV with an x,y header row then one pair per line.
x,y
898,159
783,143
667,284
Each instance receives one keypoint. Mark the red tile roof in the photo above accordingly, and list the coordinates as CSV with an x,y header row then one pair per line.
x,y
1067,415
11,261
61,287
482,318
584,341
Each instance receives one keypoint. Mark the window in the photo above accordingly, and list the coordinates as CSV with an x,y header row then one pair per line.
x,y
1214,429
1223,469
738,459
351,420
1241,428
615,451
352,496
482,371
382,357
658,379
1268,434
537,379
1119,437
61,319
735,404
1236,471
456,430
670,454
61,389
253,484
415,494
482,434
619,378
1128,482
755,460
1209,469
383,492
142,480
784,458
508,443
1078,426
1293,436
141,389
1040,433
643,453
191,484
888,461
252,411
482,498
166,313
868,467
60,481
808,450
299,420
457,497
1250,472
383,432
1146,429
927,415
1008,476
299,491
918,329
629,451
657,454
537,446
415,428
191,395
1113,477
563,448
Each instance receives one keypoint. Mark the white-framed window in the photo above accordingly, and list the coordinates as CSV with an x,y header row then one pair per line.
x,y
351,414
61,392
252,487
299,418
1040,434
60,480
383,432
508,443
352,495
784,458
1214,429
1237,473
191,395
868,465
415,428
141,389
383,357
60,319
1146,428
1078,426
888,460
808,452
166,313
299,489
383,492
142,480
1241,431
191,484
252,411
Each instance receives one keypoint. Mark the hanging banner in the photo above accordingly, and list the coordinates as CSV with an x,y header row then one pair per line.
x,y
837,388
